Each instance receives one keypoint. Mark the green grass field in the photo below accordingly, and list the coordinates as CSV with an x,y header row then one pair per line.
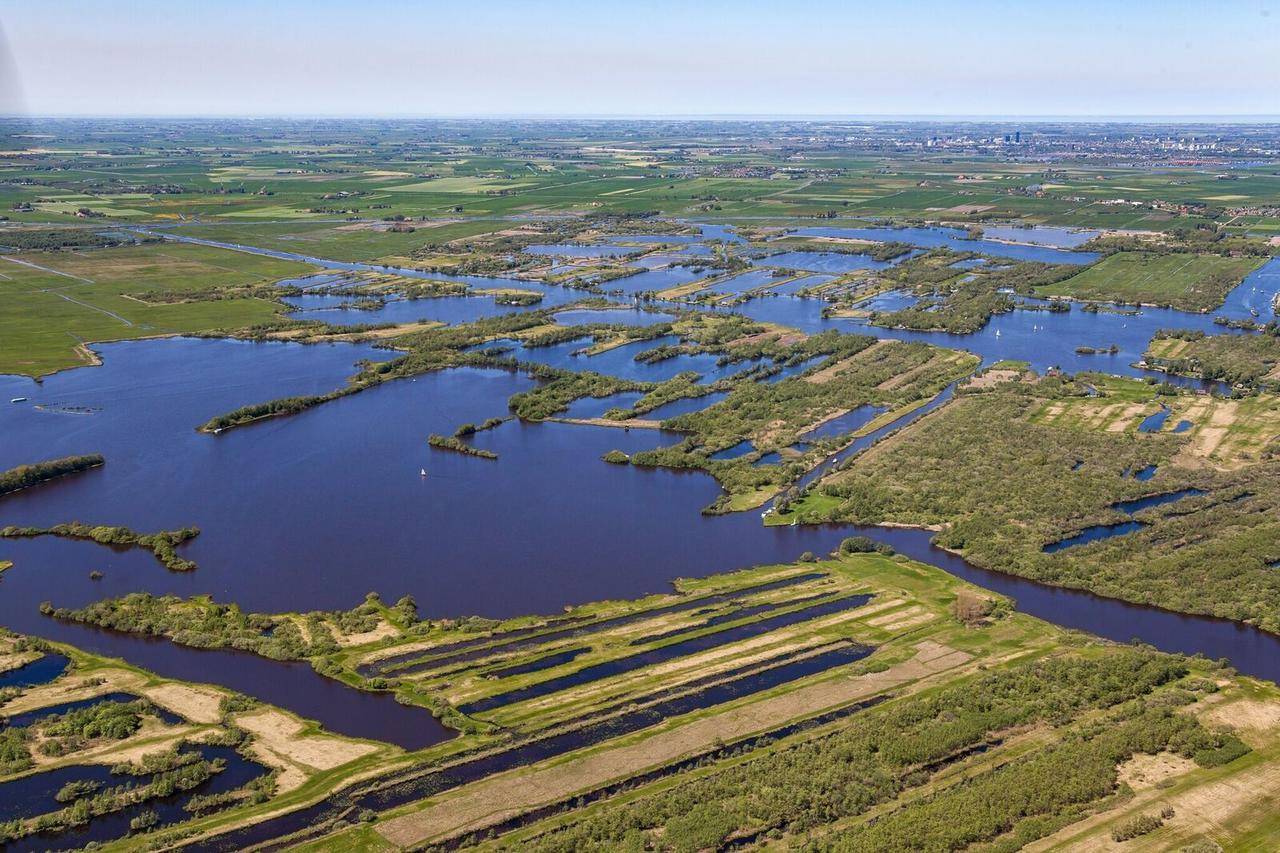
x,y
53,302
1188,282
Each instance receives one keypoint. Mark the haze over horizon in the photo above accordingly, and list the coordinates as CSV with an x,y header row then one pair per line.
x,y
813,58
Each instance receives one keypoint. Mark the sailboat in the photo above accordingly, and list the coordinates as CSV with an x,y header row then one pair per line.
x,y
423,472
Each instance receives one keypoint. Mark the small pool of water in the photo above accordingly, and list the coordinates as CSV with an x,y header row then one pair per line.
x,y
742,448
851,421
1093,534
1155,423
39,671
1139,504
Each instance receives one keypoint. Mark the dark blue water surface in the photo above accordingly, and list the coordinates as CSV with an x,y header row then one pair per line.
x,y
828,262
1093,534
42,670
850,421
932,237
653,280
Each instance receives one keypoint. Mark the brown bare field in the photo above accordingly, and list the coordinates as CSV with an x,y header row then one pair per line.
x,y
384,629
1249,718
198,704
1147,771
910,622
1205,809
1126,416
991,378
281,734
13,661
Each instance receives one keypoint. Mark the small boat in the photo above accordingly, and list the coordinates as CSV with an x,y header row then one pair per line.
x,y
423,473
997,333
18,400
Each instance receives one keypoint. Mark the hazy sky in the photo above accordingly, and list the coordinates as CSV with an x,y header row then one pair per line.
x,y
703,57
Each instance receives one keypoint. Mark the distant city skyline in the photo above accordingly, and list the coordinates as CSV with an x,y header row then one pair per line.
x,y
985,59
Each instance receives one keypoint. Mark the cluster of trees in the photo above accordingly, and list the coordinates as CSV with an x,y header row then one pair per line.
x,y
884,752
74,730
450,442
962,302
1234,359
470,428
25,476
163,543
269,409
202,623
53,239
1003,484
14,754
553,397
1198,240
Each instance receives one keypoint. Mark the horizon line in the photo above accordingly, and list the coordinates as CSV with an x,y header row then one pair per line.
x,y
1162,118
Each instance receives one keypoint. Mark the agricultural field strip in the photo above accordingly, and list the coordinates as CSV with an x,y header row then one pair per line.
x,y
502,797
635,633
533,636
580,699
669,656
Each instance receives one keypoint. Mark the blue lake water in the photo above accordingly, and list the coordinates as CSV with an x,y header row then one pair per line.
x,y
742,448
580,250
893,300
1042,235
1093,534
742,282
1155,423
1130,507
653,280
828,262
851,421
931,237
802,283
42,670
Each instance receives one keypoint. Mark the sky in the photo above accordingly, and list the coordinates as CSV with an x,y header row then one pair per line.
x,y
694,57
